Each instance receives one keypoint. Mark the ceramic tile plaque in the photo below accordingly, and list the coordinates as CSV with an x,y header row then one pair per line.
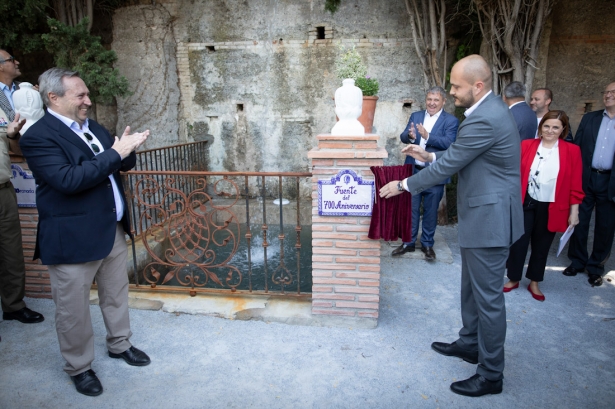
x,y
24,185
345,194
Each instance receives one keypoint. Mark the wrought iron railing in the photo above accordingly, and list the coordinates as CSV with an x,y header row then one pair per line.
x,y
199,231
183,157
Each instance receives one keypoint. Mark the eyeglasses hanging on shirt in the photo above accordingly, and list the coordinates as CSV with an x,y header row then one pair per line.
x,y
93,146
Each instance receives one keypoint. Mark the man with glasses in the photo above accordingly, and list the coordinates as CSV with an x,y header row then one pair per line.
x,y
82,222
12,266
596,138
9,70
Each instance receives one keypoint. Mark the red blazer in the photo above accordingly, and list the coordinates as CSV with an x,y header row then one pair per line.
x,y
568,187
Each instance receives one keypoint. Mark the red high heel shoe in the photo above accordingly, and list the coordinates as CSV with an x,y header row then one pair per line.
x,y
509,289
537,297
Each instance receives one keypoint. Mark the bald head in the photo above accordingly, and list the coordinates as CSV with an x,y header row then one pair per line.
x,y
474,68
470,80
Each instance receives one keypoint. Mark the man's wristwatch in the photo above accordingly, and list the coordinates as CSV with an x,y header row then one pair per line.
x,y
400,186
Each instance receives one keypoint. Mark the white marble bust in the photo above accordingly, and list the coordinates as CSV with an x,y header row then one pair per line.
x,y
29,104
348,107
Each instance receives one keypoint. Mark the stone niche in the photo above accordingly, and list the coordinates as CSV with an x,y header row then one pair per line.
x,y
256,78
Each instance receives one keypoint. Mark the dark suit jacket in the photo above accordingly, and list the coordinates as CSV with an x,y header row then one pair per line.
x,y
74,196
441,136
568,189
526,120
585,138
486,155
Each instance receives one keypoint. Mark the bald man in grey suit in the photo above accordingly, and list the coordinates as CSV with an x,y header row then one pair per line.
x,y
486,155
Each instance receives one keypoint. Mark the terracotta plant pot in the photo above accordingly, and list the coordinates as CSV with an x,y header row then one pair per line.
x,y
367,116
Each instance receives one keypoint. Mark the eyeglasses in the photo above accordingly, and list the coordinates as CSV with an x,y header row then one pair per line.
x,y
10,59
94,147
610,92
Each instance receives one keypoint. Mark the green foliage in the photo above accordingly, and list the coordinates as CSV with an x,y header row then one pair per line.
x,y
76,49
23,22
350,65
332,5
368,85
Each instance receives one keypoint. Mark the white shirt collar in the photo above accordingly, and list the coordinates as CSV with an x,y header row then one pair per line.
x,y
473,107
516,103
436,115
74,125
11,88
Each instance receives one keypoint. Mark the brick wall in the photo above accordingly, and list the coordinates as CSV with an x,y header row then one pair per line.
x,y
345,262
37,277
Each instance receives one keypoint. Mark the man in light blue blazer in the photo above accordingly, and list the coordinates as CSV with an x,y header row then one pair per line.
x,y
434,130
486,156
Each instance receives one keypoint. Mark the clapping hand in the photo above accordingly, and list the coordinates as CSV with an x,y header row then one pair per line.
x,y
423,131
412,132
129,142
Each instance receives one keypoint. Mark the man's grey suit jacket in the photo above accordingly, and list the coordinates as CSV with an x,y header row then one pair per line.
x,y
487,156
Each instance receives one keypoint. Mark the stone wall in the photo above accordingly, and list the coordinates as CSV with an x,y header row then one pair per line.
x,y
254,78
581,56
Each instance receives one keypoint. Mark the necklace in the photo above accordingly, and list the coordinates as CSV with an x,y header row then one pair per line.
x,y
536,171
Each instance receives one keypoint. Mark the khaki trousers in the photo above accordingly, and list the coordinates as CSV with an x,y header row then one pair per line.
x,y
70,289
12,266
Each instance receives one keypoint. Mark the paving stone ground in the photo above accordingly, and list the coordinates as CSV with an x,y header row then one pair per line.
x,y
559,354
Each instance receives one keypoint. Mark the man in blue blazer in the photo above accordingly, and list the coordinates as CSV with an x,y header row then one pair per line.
x,y
525,117
82,222
596,138
434,130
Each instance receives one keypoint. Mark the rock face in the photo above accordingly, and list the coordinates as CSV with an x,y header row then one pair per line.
x,y
146,49
257,78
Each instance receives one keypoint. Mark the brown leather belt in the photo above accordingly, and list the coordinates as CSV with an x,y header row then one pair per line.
x,y
6,184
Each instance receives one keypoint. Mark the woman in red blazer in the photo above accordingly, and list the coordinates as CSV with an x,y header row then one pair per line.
x,y
551,179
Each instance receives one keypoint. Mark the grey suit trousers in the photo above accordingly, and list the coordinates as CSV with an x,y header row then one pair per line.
x,y
483,311
70,289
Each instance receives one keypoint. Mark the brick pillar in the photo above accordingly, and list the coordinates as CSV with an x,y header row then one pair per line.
x,y
37,277
345,263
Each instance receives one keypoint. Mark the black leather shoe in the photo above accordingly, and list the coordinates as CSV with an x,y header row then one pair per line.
x,y
87,383
430,255
595,280
453,350
403,249
25,315
133,356
571,271
477,386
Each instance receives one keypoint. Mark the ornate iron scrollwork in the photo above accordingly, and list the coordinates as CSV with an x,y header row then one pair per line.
x,y
192,227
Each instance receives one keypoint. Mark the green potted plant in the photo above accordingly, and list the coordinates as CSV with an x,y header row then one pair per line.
x,y
350,65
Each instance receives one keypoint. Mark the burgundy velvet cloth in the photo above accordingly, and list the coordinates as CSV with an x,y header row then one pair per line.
x,y
391,218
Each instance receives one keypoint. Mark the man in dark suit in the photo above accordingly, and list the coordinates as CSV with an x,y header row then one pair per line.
x,y
525,118
434,130
486,156
596,138
82,222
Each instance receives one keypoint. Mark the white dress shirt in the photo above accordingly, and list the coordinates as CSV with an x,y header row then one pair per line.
x,y
543,174
429,121
80,131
